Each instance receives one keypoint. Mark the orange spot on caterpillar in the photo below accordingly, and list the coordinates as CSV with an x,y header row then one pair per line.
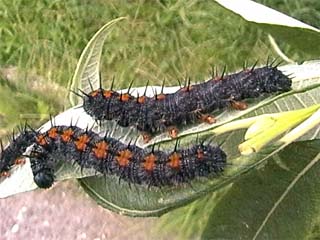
x,y
82,141
237,105
149,162
20,161
141,99
41,140
5,174
67,134
160,97
107,93
94,93
174,160
124,97
53,133
124,157
100,149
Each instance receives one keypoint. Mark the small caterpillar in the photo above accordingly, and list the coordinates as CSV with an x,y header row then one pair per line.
x,y
190,104
109,156
11,155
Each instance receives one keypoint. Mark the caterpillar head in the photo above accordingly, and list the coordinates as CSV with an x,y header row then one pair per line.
x,y
210,158
103,104
44,178
94,101
275,80
42,167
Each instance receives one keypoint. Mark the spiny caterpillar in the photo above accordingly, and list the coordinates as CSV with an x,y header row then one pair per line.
x,y
190,104
107,155
13,153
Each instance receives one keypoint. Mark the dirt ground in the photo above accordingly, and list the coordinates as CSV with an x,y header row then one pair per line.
x,y
65,212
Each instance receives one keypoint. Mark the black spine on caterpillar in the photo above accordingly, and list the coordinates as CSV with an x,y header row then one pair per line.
x,y
131,163
187,105
15,150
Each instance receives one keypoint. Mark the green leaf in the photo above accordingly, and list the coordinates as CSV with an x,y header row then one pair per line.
x,y
277,201
258,13
191,219
284,28
88,66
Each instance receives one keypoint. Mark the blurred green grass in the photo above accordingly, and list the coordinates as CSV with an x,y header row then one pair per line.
x,y
41,42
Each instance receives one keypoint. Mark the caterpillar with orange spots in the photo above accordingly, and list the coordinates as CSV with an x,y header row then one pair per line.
x,y
107,155
190,104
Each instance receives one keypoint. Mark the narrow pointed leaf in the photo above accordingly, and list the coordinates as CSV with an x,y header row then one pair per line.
x,y
88,66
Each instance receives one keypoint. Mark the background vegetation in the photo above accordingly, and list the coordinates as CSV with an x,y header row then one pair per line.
x,y
41,42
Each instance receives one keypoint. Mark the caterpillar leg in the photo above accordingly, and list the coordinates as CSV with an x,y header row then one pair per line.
x,y
173,132
146,137
207,118
5,174
238,105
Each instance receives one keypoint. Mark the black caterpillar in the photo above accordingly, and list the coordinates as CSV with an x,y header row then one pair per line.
x,y
12,154
190,104
109,156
